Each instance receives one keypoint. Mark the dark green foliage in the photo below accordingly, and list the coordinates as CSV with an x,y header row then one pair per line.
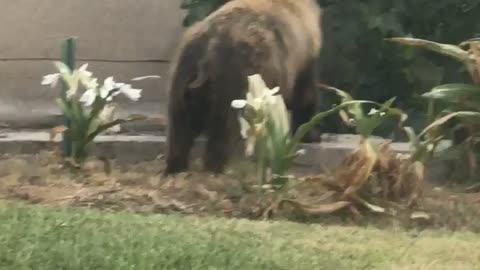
x,y
198,9
356,58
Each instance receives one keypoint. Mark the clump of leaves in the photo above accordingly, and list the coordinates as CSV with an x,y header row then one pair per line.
x,y
371,171
458,101
264,124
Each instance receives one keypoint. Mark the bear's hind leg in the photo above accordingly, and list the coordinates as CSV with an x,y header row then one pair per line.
x,y
182,131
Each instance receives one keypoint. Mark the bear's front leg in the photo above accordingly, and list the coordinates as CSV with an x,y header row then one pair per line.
x,y
221,129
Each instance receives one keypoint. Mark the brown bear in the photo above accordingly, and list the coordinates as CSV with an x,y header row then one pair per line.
x,y
278,39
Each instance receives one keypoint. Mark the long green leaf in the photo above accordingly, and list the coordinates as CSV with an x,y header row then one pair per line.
x,y
452,90
446,49
102,128
412,137
366,125
355,109
447,117
97,106
80,121
305,128
459,93
67,112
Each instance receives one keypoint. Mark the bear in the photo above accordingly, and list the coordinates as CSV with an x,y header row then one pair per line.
x,y
277,39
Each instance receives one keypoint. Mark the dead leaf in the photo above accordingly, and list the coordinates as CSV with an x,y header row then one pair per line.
x,y
208,194
420,215
55,131
317,209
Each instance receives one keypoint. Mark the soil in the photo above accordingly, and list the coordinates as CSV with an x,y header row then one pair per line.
x,y
112,186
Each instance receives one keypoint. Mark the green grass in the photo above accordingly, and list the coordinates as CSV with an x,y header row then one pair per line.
x,y
38,238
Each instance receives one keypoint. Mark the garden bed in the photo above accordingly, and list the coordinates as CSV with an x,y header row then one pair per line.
x,y
141,188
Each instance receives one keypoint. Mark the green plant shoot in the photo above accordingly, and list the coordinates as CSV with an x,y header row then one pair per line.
x,y
91,112
264,123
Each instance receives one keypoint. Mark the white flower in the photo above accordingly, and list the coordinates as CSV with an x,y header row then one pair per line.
x,y
51,79
251,132
430,147
301,152
108,85
374,111
279,114
84,72
89,97
121,88
107,115
239,103
131,93
244,127
71,78
91,84
261,104
258,96
258,92
84,75
62,68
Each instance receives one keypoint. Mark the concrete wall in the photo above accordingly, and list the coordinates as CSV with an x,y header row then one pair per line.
x,y
123,38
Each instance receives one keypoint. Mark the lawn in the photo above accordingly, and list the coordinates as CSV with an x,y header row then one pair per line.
x,y
35,237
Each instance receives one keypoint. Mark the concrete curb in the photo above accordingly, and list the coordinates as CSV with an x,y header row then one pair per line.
x,y
145,147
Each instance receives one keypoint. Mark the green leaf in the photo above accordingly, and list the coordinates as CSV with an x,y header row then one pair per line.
x,y
67,112
355,109
412,137
464,94
446,118
103,127
305,128
366,125
97,106
452,51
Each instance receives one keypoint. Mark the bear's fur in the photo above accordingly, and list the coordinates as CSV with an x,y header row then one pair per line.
x,y
278,39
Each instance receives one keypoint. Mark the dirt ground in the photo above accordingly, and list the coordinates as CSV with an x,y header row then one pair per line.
x,y
112,186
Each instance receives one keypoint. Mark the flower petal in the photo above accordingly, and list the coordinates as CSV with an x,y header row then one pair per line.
x,y
239,103
83,68
92,84
131,93
256,85
301,152
279,114
108,85
83,71
372,111
88,97
244,127
62,68
274,90
51,79
250,148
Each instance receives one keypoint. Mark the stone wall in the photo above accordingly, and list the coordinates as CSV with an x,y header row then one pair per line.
x,y
123,38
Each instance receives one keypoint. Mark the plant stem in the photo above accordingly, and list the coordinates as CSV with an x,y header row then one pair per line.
x,y
262,166
68,58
